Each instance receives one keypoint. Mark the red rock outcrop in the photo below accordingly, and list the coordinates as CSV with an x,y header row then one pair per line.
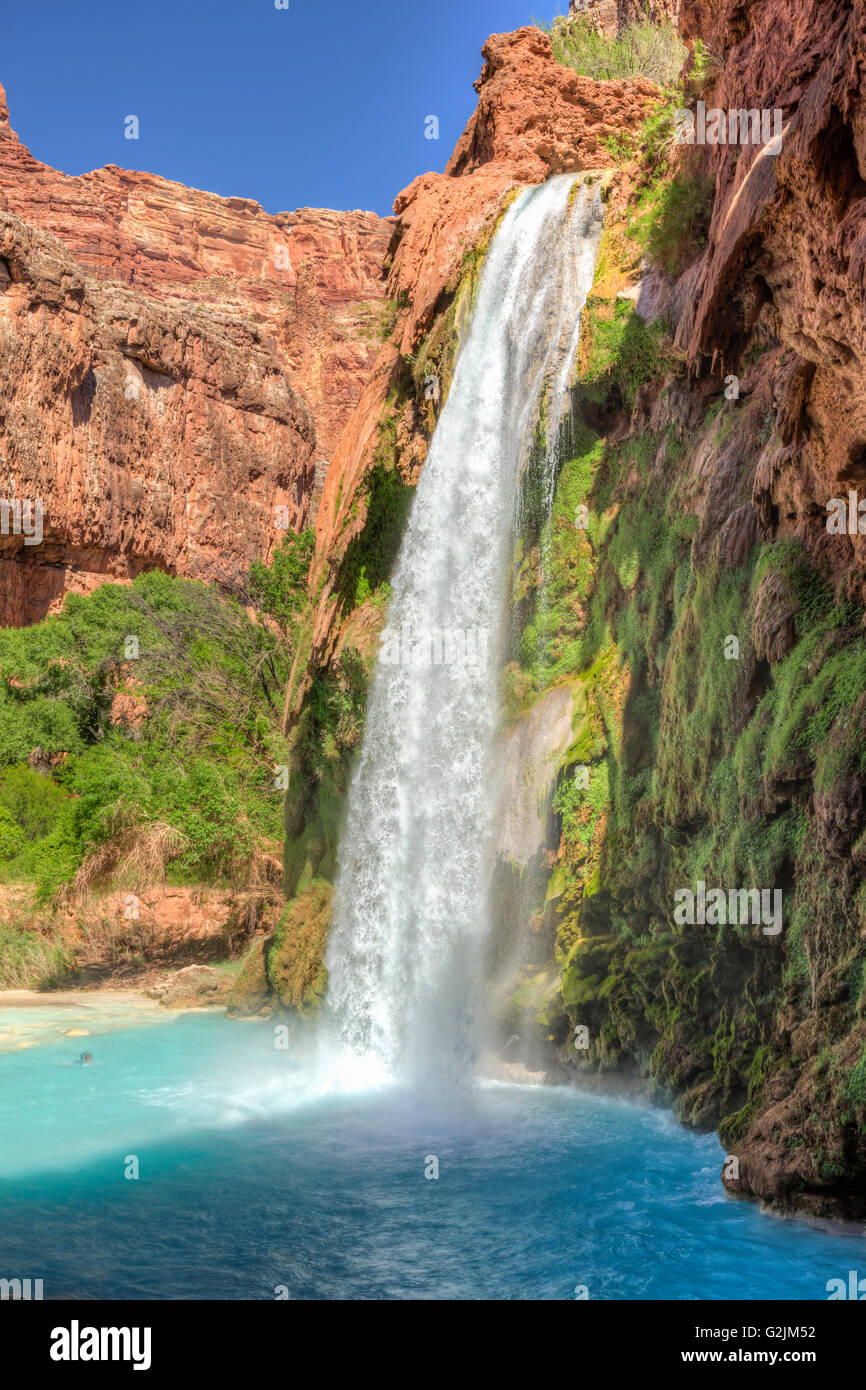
x,y
151,436
610,17
535,118
314,277
175,367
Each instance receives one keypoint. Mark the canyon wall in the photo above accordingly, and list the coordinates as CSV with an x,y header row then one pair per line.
x,y
196,359
684,699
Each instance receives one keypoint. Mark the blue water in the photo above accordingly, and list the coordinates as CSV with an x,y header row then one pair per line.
x,y
251,1180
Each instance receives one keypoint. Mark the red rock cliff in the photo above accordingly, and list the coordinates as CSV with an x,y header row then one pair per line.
x,y
611,16
174,367
787,246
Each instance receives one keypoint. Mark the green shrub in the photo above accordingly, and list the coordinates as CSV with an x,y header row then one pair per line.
x,y
33,801
643,49
279,589
164,762
370,556
11,835
29,960
676,225
856,1085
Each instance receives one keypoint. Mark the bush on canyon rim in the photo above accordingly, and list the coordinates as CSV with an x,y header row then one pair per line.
x,y
669,217
654,51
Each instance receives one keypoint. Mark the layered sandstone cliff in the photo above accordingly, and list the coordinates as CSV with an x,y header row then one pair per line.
x,y
200,358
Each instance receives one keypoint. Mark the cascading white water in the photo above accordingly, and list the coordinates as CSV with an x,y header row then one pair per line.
x,y
412,911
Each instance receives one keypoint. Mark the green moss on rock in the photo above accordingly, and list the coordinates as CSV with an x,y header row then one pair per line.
x,y
295,961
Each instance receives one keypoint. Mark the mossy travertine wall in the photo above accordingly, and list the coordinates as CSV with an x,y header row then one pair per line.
x,y
716,623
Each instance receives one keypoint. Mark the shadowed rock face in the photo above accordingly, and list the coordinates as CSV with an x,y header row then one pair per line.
x,y
174,366
787,246
777,298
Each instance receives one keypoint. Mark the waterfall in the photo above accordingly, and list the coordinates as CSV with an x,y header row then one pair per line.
x,y
412,910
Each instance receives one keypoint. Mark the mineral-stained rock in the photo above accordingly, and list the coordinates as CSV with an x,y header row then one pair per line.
x,y
194,986
775,610
528,754
295,961
251,995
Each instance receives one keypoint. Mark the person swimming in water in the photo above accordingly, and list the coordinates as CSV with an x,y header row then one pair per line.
x,y
84,1060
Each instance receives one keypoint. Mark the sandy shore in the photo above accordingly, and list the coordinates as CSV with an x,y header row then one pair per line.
x,y
28,1017
70,998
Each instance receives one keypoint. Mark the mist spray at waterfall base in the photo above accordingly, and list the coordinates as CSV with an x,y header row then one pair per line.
x,y
412,914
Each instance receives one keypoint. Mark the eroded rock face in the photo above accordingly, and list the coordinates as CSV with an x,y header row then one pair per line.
x,y
539,117
765,1040
787,247
610,17
150,436
786,263
175,367
313,277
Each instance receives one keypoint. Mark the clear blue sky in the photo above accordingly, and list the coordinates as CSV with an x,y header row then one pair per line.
x,y
320,105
